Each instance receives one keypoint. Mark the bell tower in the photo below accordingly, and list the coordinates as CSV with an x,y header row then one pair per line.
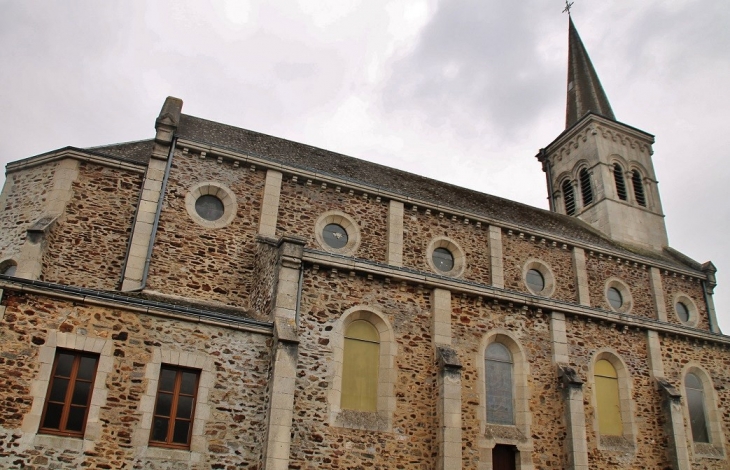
x,y
600,170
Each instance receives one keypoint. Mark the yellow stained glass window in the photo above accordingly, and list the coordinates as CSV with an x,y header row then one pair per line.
x,y
360,367
607,396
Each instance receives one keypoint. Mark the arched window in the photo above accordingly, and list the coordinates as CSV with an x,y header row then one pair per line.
x,y
638,188
360,363
498,371
696,407
568,197
607,398
585,186
618,177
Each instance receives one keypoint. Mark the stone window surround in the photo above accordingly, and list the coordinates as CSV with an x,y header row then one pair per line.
x,y
39,389
218,190
381,420
547,274
198,442
713,416
580,166
691,308
456,251
521,396
346,222
623,288
626,402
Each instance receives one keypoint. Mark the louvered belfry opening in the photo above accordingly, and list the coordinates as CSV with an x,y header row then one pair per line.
x,y
585,187
569,198
618,176
638,188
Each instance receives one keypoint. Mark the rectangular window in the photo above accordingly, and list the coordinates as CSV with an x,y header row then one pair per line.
x,y
172,422
69,393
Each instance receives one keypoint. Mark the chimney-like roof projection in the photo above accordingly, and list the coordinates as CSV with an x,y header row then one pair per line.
x,y
585,93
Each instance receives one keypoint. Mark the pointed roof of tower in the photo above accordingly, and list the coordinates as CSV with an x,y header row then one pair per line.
x,y
585,93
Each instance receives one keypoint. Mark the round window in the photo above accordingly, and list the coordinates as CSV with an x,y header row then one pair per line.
x,y
209,207
614,298
682,312
535,281
335,236
443,259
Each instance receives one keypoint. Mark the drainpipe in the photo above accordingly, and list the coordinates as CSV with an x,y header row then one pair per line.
x,y
299,294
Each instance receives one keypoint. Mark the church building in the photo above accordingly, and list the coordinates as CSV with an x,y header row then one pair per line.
x,y
217,298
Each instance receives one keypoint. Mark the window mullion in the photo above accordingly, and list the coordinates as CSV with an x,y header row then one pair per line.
x,y
69,393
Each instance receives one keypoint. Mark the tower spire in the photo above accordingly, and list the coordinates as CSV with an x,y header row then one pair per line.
x,y
585,93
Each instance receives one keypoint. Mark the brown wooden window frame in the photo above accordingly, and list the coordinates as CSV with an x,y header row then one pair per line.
x,y
67,402
173,408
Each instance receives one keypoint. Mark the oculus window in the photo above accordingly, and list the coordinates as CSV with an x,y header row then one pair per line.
x,y
535,281
335,236
172,422
443,259
69,393
209,207
498,371
615,299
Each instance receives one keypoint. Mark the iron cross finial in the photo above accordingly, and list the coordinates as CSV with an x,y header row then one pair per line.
x,y
567,7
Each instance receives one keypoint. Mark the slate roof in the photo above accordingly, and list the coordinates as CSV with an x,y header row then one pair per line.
x,y
408,184
138,151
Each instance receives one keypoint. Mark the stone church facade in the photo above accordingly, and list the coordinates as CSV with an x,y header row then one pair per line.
x,y
216,298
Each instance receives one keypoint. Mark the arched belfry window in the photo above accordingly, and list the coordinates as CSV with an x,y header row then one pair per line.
x,y
618,177
638,188
586,191
568,197
607,398
499,390
696,407
360,365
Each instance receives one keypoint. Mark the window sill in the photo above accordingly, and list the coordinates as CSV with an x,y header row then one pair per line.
x,y
616,444
708,451
75,443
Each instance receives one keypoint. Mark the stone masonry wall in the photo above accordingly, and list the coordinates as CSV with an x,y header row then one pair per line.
x,y
693,289
87,245
600,269
23,206
584,339
194,261
266,274
677,353
517,250
236,398
316,444
471,321
419,229
300,206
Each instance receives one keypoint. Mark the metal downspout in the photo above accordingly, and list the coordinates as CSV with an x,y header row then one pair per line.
x,y
549,177
299,294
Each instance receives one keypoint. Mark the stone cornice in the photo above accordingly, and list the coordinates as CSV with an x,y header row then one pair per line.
x,y
131,304
76,154
369,192
597,125
390,274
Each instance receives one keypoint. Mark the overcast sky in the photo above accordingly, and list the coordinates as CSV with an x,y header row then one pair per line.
x,y
463,91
